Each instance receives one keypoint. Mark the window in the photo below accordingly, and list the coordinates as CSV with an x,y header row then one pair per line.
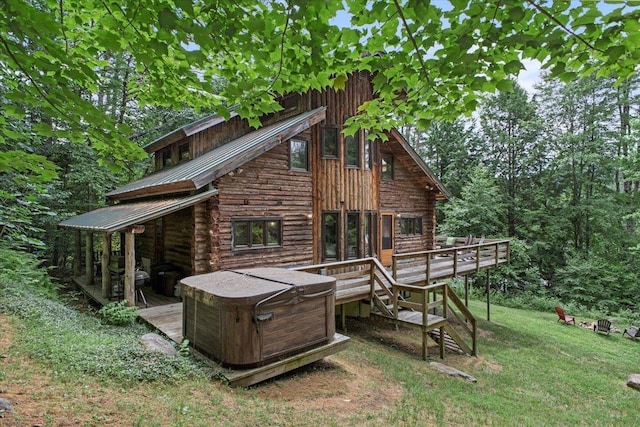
x,y
183,152
368,154
330,230
289,102
165,156
369,234
299,155
411,226
352,232
330,142
257,233
387,167
352,151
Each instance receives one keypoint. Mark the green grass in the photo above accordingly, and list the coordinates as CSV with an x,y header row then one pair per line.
x,y
531,371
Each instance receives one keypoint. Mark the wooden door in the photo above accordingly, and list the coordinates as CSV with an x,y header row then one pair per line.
x,y
386,238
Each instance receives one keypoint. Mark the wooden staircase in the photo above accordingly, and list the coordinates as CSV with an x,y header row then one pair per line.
x,y
434,309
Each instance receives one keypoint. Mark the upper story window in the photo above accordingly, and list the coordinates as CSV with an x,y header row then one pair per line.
x,y
368,153
411,226
183,152
352,151
387,167
299,155
165,156
256,233
289,102
330,142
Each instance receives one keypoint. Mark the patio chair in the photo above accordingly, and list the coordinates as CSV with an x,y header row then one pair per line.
x,y
632,331
603,326
565,319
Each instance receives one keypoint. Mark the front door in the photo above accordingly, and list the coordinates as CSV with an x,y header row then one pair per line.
x,y
386,239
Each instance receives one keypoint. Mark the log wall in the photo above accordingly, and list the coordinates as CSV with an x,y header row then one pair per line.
x,y
265,188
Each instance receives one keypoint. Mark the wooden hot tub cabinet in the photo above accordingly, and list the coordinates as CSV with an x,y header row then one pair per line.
x,y
251,317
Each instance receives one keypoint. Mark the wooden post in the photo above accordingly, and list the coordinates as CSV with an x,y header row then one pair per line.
x,y
106,261
77,254
488,305
425,321
88,259
130,263
441,342
466,290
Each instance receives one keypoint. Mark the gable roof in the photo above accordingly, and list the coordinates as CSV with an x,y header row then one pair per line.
x,y
197,173
187,130
441,192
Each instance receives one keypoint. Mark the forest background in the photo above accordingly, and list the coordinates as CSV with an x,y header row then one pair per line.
x,y
84,85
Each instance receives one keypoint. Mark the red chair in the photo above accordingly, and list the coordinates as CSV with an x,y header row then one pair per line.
x,y
565,319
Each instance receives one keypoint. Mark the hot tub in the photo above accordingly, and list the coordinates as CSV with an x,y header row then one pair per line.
x,y
250,317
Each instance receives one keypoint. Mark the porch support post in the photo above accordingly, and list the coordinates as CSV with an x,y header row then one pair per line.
x,y
106,261
77,253
130,263
88,259
488,301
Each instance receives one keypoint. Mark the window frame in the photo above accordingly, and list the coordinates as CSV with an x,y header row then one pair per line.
x,y
358,236
292,141
334,139
250,223
323,235
358,160
411,226
388,160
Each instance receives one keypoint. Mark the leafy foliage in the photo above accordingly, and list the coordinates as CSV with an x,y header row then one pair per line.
x,y
74,342
117,313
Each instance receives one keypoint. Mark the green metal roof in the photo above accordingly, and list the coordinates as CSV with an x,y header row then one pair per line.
x,y
200,171
119,217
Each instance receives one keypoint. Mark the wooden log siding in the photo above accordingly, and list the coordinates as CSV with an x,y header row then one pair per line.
x,y
267,188
145,242
178,237
204,231
404,196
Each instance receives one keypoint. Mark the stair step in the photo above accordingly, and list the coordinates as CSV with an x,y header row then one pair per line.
x,y
449,343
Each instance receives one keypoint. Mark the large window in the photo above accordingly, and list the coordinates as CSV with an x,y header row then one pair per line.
x,y
330,230
387,167
330,142
352,235
352,151
411,226
299,155
257,233
369,234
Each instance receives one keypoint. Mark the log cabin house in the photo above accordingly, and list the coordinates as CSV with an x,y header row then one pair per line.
x,y
296,193
293,192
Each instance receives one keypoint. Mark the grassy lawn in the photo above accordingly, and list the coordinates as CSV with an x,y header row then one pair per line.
x,y
531,371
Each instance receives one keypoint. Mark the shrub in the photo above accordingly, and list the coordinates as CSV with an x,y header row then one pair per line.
x,y
118,313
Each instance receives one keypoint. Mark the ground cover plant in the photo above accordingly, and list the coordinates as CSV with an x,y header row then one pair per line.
x,y
60,366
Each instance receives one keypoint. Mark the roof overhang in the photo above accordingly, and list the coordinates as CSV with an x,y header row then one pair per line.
x,y
441,192
202,170
121,216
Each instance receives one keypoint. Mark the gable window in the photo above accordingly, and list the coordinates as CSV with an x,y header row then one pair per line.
x,y
289,102
352,151
299,155
330,142
411,226
165,157
387,167
183,152
352,235
255,233
368,153
330,230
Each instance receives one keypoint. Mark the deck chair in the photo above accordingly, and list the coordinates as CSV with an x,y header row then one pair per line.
x,y
603,326
632,331
565,319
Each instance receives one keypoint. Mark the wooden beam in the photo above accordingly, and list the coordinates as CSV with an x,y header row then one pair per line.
x,y
129,268
244,378
136,229
106,261
88,259
77,253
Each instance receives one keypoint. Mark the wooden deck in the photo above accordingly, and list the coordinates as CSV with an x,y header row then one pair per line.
x,y
166,318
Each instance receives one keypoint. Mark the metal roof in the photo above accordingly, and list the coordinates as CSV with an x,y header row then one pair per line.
x,y
119,217
444,193
200,171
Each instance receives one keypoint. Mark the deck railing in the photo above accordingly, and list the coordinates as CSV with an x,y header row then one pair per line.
x,y
425,267
368,279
